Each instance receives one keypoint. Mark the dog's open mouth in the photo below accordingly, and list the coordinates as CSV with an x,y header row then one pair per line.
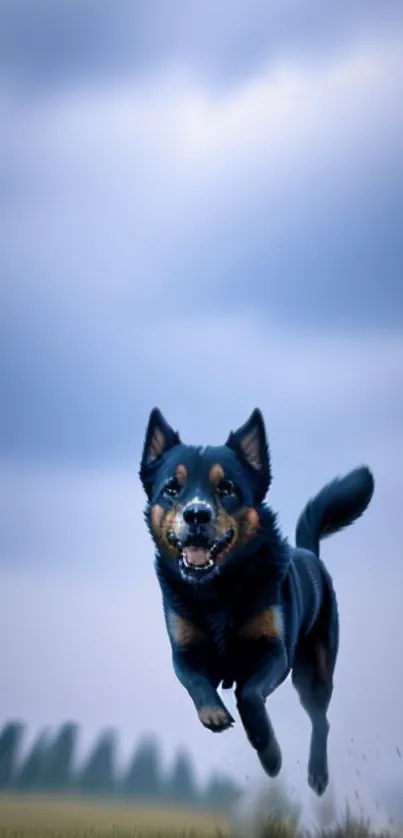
x,y
199,555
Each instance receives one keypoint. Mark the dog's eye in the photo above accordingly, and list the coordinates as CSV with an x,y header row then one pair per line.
x,y
226,488
172,487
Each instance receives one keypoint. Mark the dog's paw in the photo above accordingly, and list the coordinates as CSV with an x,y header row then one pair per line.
x,y
271,758
318,775
215,718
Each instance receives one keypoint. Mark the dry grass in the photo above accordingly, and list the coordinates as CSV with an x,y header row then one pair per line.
x,y
26,816
22,816
348,827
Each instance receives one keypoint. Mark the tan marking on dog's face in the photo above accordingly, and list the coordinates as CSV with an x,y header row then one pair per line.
x,y
183,632
266,624
216,474
162,523
226,522
249,524
245,526
181,474
157,516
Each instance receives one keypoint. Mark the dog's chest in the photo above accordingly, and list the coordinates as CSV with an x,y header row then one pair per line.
x,y
220,630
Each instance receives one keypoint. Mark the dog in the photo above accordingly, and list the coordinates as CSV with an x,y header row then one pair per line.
x,y
243,608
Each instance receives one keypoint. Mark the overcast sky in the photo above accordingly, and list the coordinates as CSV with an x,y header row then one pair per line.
x,y
200,208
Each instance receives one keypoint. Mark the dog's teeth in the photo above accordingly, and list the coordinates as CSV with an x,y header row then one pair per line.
x,y
209,563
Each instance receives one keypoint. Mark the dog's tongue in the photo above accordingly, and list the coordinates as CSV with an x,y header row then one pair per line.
x,y
196,556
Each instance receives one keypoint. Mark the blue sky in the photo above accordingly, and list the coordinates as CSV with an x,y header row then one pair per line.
x,y
199,209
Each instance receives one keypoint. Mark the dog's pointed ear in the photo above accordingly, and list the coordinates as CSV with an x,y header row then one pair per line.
x,y
250,444
159,439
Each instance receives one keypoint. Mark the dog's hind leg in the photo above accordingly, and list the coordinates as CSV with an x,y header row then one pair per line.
x,y
314,692
312,676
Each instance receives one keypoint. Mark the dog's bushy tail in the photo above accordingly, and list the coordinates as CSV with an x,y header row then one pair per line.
x,y
336,506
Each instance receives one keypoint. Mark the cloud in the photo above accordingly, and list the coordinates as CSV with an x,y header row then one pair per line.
x,y
196,214
258,169
45,46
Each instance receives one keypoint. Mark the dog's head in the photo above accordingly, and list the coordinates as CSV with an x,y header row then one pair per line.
x,y
204,504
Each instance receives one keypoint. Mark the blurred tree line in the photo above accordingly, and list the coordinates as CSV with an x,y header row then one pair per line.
x,y
51,766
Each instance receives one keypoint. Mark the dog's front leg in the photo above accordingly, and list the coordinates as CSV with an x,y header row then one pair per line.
x,y
265,667
194,667
192,670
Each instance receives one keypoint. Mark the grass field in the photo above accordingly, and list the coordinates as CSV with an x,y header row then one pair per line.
x,y
26,816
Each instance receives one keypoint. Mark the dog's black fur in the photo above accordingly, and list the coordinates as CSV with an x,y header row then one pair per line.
x,y
242,606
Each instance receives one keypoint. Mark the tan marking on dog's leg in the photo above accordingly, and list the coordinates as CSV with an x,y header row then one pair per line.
x,y
183,632
323,665
215,718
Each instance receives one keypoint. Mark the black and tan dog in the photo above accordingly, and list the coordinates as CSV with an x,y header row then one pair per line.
x,y
242,606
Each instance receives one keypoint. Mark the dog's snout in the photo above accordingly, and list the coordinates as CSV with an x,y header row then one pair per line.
x,y
197,513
